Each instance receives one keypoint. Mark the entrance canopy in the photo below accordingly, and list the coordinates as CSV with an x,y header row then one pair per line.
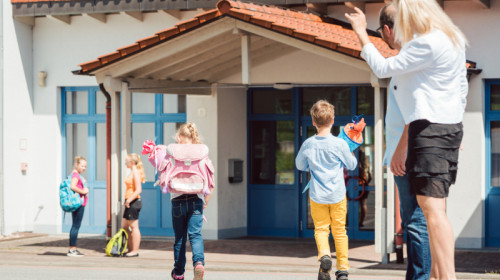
x,y
229,39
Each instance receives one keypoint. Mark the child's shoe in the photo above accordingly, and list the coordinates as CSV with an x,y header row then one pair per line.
x,y
176,277
324,268
342,274
199,271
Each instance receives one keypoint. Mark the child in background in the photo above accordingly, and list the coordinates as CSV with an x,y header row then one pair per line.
x,y
78,185
325,156
187,217
133,203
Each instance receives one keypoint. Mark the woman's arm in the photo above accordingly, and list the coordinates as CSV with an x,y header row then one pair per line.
x,y
136,177
358,22
74,183
416,55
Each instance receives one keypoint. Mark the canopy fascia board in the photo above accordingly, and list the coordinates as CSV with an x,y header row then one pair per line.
x,y
305,46
164,86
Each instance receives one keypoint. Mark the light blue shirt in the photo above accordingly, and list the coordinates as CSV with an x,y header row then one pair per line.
x,y
394,125
325,157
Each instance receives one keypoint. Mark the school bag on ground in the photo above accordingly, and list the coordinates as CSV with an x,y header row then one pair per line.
x,y
183,168
69,199
117,245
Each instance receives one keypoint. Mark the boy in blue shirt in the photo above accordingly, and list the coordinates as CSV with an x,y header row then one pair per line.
x,y
325,157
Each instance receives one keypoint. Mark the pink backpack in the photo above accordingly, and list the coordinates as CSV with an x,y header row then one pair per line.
x,y
183,168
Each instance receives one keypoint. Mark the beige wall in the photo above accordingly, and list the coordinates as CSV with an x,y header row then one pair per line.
x,y
202,110
301,67
232,144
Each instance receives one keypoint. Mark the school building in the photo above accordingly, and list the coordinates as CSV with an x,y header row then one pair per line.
x,y
246,74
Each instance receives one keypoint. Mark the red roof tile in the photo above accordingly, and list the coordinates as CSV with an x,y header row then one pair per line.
x,y
304,26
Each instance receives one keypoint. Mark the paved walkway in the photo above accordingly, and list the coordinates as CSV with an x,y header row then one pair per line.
x,y
245,254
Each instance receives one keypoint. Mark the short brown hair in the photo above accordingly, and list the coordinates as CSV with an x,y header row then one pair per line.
x,y
322,113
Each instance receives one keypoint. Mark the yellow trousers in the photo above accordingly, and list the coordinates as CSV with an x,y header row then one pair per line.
x,y
326,216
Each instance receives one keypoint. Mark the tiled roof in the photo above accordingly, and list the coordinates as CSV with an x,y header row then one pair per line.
x,y
304,26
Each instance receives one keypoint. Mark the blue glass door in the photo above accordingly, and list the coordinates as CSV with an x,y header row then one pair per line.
x,y
278,123
154,116
83,132
348,101
492,126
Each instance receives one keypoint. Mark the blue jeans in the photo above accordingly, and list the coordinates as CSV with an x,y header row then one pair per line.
x,y
417,238
187,219
77,216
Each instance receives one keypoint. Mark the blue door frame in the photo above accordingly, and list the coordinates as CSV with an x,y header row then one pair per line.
x,y
492,199
94,220
156,214
266,201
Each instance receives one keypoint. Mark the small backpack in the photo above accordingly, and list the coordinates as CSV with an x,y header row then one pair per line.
x,y
118,243
183,168
69,199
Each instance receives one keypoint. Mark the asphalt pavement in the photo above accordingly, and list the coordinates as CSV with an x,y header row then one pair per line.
x,y
39,256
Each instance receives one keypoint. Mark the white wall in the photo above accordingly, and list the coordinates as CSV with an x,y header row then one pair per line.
x,y
20,205
33,113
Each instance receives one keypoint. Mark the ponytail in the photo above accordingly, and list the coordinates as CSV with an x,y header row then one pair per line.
x,y
189,131
139,165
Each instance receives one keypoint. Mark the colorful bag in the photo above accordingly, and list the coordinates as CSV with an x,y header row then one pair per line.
x,y
69,200
118,243
183,168
353,132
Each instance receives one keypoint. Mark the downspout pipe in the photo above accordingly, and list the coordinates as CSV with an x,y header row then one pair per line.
x,y
108,160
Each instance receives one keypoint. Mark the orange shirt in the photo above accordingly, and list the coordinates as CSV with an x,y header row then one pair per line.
x,y
130,187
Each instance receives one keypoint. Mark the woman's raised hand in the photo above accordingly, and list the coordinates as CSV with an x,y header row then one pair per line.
x,y
358,22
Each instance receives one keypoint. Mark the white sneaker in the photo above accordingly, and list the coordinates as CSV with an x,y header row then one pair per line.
x,y
74,253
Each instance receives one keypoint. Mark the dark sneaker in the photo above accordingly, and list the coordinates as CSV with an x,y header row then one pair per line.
x,y
74,253
176,277
342,275
324,268
199,271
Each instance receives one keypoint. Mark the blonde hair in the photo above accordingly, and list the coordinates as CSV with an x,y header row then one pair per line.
x,y
79,159
420,17
136,159
189,131
322,113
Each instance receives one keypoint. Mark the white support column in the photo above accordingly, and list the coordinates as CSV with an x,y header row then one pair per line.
x,y
115,159
126,133
378,165
245,59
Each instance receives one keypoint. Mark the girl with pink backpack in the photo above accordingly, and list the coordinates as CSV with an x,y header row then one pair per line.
x,y
186,172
